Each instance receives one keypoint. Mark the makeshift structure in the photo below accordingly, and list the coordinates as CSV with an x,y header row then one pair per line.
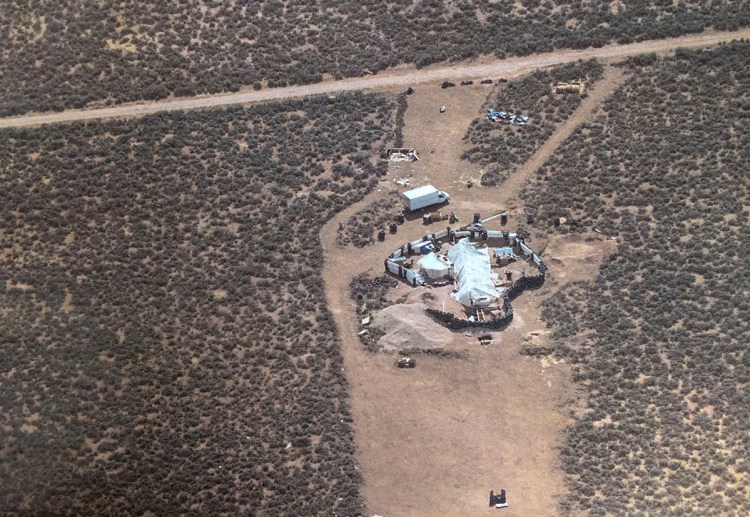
x,y
434,267
505,255
473,274
402,154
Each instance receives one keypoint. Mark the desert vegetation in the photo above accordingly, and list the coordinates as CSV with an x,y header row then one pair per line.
x,y
503,147
360,230
165,342
72,54
659,339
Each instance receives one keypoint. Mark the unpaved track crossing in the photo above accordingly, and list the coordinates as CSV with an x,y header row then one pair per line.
x,y
602,89
390,79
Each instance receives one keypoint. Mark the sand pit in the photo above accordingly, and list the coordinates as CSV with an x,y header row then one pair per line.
x,y
408,326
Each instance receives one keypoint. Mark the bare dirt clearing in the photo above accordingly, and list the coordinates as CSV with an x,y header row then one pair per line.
x,y
400,77
457,427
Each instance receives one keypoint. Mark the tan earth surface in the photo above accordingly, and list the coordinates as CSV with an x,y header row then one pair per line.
x,y
399,77
436,439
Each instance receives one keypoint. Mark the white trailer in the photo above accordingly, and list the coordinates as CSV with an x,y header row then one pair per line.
x,y
423,197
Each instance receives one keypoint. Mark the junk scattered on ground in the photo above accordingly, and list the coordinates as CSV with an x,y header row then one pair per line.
x,y
365,320
442,109
506,117
381,234
509,275
571,87
452,218
363,332
486,81
410,91
466,83
402,154
423,197
404,182
381,280
504,256
394,227
469,184
485,339
498,500
406,362
477,218
447,84
400,219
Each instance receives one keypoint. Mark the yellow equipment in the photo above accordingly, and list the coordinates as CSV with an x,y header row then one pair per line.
x,y
571,87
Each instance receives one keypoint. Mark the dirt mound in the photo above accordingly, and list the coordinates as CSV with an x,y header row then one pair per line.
x,y
408,326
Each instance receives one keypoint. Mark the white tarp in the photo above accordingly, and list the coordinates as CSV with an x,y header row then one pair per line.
x,y
432,267
473,274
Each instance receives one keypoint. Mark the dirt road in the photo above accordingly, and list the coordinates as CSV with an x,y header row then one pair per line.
x,y
397,78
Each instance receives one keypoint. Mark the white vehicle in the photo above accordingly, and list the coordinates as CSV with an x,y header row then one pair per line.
x,y
423,197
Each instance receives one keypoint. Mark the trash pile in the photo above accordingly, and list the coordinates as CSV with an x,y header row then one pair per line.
x,y
503,116
402,154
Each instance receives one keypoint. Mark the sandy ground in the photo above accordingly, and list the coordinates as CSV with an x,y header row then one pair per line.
x,y
436,439
399,77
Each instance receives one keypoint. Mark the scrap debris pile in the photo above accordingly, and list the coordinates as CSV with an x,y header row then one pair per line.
x,y
507,117
402,154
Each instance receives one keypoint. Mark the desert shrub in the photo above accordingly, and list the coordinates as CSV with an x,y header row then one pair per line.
x,y
361,229
658,338
166,345
68,54
501,147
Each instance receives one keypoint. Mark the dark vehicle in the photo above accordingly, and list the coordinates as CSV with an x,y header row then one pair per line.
x,y
502,80
466,83
406,362
486,81
448,84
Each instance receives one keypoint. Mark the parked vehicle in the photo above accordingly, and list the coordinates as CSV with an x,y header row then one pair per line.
x,y
486,81
423,197
448,84
466,83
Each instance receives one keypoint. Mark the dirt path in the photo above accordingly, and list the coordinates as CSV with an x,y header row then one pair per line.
x,y
400,77
613,77
435,440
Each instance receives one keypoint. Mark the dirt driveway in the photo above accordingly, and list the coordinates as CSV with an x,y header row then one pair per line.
x,y
435,440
